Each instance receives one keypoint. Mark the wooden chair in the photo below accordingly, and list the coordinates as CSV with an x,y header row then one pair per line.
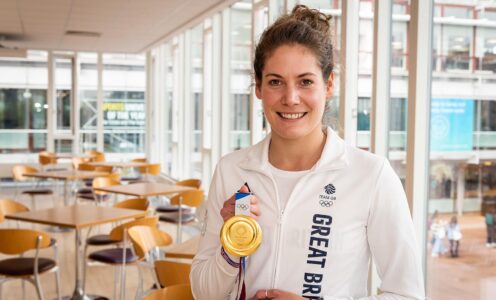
x,y
143,160
47,159
192,199
120,256
147,174
9,206
191,182
175,292
134,203
95,156
19,241
167,208
17,173
146,240
98,196
172,272
85,167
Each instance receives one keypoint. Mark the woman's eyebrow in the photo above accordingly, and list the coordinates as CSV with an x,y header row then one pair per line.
x,y
279,76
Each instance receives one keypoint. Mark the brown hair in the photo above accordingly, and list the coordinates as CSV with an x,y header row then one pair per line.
x,y
304,26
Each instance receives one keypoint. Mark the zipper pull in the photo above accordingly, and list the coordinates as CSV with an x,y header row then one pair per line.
x,y
280,216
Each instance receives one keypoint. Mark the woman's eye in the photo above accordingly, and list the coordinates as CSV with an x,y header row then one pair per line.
x,y
306,82
274,82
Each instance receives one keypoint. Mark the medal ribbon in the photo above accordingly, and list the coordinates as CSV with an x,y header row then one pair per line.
x,y
242,266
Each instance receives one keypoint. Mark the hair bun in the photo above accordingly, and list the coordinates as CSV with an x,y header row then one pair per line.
x,y
314,18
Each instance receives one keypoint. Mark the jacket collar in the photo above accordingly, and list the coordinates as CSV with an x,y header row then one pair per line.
x,y
334,155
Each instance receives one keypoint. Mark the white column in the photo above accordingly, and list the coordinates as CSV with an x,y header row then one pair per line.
x,y
217,86
99,104
349,72
381,76
460,189
151,145
51,111
225,127
419,95
76,104
187,114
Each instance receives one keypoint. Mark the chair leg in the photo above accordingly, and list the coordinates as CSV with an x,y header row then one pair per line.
x,y
33,202
139,291
116,275
38,287
23,284
57,283
85,264
123,282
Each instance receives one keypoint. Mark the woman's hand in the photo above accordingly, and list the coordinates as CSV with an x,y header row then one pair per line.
x,y
275,294
227,210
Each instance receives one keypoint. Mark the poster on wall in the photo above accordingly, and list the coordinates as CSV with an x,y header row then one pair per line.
x,y
452,125
123,114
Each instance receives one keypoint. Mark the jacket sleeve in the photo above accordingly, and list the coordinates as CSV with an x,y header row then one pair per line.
x,y
212,277
392,241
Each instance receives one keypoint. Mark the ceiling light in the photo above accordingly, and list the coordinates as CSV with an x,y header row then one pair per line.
x,y
82,33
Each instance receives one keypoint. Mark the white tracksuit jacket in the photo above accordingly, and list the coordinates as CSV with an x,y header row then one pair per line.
x,y
351,205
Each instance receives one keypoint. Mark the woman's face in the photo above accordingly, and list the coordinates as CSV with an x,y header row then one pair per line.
x,y
293,92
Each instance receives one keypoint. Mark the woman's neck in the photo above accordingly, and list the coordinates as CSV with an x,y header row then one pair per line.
x,y
296,155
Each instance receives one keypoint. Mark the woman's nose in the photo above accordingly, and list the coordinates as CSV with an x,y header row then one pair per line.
x,y
291,96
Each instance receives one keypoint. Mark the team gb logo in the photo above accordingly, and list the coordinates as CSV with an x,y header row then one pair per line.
x,y
330,189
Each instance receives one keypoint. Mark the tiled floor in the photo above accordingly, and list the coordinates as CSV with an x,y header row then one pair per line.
x,y
470,276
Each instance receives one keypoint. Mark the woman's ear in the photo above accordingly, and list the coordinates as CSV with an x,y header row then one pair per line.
x,y
330,86
258,93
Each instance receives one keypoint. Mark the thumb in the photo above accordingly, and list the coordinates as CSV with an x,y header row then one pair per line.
x,y
244,189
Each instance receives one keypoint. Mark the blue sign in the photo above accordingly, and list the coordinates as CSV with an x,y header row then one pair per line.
x,y
452,125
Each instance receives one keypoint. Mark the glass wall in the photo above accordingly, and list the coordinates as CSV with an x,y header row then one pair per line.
x,y
124,103
462,143
241,43
23,103
88,101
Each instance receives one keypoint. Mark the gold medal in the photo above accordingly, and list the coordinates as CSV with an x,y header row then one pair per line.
x,y
241,235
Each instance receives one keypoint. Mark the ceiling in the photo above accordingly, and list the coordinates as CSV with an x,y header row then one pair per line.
x,y
129,26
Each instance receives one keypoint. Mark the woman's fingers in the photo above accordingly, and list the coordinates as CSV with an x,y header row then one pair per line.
x,y
227,211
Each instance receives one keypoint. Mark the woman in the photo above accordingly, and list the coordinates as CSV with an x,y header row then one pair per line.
x,y
454,236
324,207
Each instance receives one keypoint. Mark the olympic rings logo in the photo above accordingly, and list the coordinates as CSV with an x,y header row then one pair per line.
x,y
325,203
242,206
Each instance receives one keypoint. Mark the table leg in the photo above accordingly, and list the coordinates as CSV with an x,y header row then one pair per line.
x,y
61,229
78,293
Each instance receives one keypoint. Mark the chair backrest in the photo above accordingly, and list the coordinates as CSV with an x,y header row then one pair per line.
x,y
107,169
96,156
76,161
117,234
100,182
46,158
172,272
135,203
175,292
17,241
116,176
192,198
9,206
18,170
196,183
143,160
145,238
86,167
152,169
